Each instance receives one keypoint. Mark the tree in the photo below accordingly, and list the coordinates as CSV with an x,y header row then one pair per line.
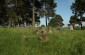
x,y
49,6
3,12
18,12
74,20
78,9
56,21
29,8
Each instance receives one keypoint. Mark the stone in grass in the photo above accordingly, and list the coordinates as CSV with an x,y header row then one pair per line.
x,y
71,27
24,39
50,30
43,37
43,30
36,31
59,28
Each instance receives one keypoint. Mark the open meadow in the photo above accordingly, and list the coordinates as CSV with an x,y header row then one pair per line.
x,y
65,42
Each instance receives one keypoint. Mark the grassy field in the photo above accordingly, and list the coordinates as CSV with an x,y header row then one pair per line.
x,y
60,43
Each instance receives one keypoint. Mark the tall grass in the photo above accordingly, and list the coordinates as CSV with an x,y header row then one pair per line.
x,y
60,43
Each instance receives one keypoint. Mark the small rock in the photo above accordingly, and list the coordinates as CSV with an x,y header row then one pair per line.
x,y
24,39
43,37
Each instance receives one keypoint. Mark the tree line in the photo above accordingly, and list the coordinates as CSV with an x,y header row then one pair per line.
x,y
25,12
28,13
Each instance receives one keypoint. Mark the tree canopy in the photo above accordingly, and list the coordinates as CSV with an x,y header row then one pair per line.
x,y
78,10
56,21
78,7
18,12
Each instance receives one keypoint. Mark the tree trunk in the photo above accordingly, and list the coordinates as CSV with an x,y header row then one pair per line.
x,y
73,25
81,26
81,21
33,21
10,23
46,20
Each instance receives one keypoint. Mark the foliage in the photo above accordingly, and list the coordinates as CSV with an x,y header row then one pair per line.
x,y
78,9
42,25
75,20
3,12
57,21
49,9
18,12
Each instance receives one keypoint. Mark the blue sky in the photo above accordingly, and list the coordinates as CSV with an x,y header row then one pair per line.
x,y
63,9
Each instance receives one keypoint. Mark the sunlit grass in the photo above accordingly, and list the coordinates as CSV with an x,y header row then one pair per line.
x,y
60,43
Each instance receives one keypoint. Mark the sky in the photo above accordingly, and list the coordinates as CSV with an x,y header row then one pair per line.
x,y
63,9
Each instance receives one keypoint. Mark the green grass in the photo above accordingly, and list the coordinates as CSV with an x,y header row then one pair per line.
x,y
60,43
